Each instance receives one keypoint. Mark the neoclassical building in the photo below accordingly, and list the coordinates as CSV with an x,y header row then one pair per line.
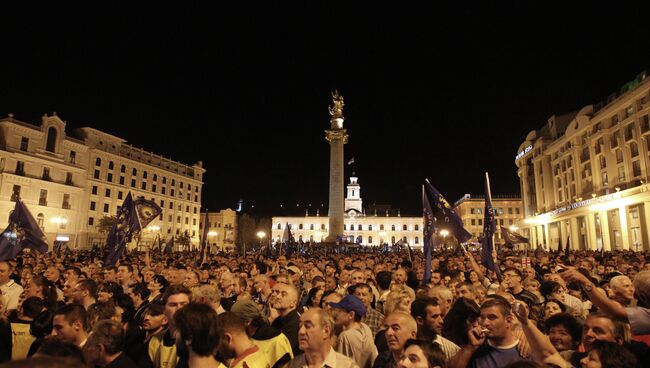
x,y
471,209
222,229
69,182
584,175
372,226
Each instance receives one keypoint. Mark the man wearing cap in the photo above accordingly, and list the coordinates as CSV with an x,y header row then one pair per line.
x,y
356,339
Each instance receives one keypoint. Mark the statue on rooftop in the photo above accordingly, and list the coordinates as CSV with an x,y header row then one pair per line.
x,y
337,110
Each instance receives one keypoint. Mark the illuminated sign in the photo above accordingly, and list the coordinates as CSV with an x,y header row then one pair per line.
x,y
524,152
62,238
587,202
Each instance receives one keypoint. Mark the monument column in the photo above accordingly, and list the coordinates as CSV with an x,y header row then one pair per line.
x,y
337,137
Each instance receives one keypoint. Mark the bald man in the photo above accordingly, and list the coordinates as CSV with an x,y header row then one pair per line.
x,y
284,300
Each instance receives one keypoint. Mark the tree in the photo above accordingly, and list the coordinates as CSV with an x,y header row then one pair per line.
x,y
106,223
184,240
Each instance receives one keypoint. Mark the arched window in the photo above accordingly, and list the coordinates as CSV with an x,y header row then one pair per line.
x,y
392,240
370,240
417,240
311,227
279,226
300,227
417,227
155,177
40,219
123,169
359,227
51,139
98,161
392,227
404,227
144,175
370,227
110,165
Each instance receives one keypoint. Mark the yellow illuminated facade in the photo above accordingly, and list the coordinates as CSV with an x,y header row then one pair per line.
x,y
584,175
471,209
222,229
70,183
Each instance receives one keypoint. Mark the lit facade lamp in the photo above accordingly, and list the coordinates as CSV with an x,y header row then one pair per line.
x,y
444,234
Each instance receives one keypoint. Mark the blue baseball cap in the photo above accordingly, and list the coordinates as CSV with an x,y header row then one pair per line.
x,y
351,303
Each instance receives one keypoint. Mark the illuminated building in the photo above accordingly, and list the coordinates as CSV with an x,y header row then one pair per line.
x,y
471,209
222,229
584,175
70,182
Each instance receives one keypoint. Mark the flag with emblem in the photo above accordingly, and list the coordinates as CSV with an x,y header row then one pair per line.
x,y
512,237
204,240
445,217
23,232
132,217
489,226
429,239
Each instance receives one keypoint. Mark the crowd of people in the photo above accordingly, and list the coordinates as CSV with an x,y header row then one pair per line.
x,y
366,309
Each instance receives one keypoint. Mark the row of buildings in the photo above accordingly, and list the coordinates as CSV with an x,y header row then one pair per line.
x,y
70,181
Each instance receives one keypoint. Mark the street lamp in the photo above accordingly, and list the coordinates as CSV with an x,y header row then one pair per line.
x,y
444,234
212,234
513,228
59,221
261,235
152,229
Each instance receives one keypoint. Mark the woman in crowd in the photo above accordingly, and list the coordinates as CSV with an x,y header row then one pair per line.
x,y
421,354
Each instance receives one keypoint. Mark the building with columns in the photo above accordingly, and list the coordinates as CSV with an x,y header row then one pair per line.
x,y
222,229
373,226
69,181
584,175
471,209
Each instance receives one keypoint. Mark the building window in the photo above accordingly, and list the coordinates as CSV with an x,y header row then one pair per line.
x,y
187,220
480,222
109,177
311,227
123,169
636,168
92,205
144,175
24,144
517,210
119,194
134,172
15,194
163,190
155,177
20,168
279,226
345,227
181,184
164,180
322,226
621,174
66,202
73,157
153,188
51,139
392,227
381,227
107,193
98,161
171,205
132,183
110,165
417,240
172,192
173,182
479,211
121,180
96,175
42,200
46,174
510,211
619,156
178,219
106,207
91,221
144,185
471,211
634,149
392,240
417,227
473,222
369,227
94,190
404,227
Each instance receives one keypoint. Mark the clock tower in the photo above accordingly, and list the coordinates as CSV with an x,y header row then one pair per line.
x,y
353,201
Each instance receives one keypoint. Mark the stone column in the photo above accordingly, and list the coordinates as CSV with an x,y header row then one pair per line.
x,y
625,232
574,233
592,234
337,137
604,230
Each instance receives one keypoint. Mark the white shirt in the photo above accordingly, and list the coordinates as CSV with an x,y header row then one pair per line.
x,y
10,295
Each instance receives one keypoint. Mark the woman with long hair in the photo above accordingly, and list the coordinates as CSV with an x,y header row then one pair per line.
x,y
421,354
39,286
157,286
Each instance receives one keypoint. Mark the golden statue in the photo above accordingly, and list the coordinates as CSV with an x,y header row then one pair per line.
x,y
337,110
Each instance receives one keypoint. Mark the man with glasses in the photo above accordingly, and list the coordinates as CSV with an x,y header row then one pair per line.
x,y
512,279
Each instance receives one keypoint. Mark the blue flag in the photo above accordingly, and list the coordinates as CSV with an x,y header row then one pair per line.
x,y
445,216
489,226
23,232
287,237
204,240
429,239
132,217
512,237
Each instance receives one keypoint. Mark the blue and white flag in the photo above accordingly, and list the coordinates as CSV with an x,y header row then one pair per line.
x,y
23,232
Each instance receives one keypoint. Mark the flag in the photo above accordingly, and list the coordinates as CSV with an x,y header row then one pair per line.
x,y
132,217
512,237
204,240
287,237
539,250
410,251
351,161
169,247
445,216
428,238
21,233
567,246
489,226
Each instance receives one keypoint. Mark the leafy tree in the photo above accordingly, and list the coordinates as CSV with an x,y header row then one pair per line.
x,y
106,223
184,240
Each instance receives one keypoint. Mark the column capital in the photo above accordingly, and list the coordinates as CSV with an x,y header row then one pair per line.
x,y
333,135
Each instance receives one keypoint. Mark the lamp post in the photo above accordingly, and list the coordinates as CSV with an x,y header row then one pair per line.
x,y
152,229
212,234
261,235
444,234
58,221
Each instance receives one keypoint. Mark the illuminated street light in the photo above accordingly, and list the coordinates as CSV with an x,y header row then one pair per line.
x,y
513,228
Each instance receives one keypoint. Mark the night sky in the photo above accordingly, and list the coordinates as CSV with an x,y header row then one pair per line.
x,y
430,91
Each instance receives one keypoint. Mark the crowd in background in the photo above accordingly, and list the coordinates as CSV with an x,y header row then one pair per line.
x,y
371,309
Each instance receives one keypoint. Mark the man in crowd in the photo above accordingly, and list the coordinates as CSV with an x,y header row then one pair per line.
x,y
400,327
235,344
315,340
162,346
105,344
9,289
285,301
85,293
428,317
197,335
356,339
70,324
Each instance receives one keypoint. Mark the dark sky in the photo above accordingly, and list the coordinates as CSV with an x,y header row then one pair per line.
x,y
444,92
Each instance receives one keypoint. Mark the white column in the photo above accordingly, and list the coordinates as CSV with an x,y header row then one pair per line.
x,y
546,236
592,235
574,233
625,237
604,230
337,138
